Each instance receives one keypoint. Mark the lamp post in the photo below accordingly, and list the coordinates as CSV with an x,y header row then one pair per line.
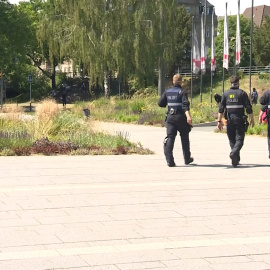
x,y
161,73
2,88
250,52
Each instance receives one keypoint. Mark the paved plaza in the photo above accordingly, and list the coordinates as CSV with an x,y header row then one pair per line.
x,y
135,213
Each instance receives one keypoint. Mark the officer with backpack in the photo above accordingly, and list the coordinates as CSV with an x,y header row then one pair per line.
x,y
265,102
235,101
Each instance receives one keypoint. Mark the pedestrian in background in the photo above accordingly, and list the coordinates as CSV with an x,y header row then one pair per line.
x,y
254,96
64,96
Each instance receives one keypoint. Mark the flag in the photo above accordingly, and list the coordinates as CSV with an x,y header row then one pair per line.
x,y
226,42
213,50
238,38
196,53
202,46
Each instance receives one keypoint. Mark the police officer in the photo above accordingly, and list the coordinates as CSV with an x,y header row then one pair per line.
x,y
178,119
236,101
265,102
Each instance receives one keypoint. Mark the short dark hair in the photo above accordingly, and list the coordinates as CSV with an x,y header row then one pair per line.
x,y
234,79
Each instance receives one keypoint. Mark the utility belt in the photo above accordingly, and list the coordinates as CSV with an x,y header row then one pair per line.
x,y
174,111
241,116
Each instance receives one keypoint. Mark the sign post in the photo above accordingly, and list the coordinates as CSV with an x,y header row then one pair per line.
x,y
30,80
2,88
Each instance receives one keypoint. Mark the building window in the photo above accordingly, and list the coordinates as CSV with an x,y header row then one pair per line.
x,y
209,10
207,31
188,9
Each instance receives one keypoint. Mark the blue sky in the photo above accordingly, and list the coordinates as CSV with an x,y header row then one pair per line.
x,y
233,5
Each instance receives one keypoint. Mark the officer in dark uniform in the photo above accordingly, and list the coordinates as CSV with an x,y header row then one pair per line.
x,y
178,119
265,102
235,101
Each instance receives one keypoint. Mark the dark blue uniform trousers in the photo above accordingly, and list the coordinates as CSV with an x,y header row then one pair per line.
x,y
236,134
176,123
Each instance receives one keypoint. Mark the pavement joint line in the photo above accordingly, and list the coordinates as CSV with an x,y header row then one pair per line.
x,y
47,253
127,185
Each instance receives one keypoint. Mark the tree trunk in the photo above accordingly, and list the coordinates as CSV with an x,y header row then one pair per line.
x,y
53,75
161,77
106,85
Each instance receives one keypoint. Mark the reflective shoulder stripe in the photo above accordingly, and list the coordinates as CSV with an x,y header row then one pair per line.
x,y
234,106
174,104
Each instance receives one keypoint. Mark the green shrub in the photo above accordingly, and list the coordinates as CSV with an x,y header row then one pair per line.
x,y
264,76
240,73
257,130
137,106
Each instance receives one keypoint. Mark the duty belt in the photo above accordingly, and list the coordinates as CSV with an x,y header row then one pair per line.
x,y
174,111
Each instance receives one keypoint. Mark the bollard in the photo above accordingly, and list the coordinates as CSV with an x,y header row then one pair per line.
x,y
86,113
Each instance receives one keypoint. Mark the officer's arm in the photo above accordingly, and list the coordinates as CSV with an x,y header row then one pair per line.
x,y
163,100
249,110
185,106
222,106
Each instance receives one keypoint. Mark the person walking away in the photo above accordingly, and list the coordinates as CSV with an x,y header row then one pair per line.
x,y
64,97
254,96
83,88
236,101
265,102
178,119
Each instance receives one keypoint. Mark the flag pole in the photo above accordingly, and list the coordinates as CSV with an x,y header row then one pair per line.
x,y
237,45
202,54
225,49
212,56
192,44
250,53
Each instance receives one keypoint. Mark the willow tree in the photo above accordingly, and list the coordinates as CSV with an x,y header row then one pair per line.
x,y
49,34
126,37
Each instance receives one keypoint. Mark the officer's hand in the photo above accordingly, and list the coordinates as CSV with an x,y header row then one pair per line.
x,y
220,126
189,120
252,122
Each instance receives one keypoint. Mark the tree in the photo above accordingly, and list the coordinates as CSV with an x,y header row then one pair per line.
x,y
13,34
122,36
261,43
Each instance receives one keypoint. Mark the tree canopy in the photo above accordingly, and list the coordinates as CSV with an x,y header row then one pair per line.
x,y
123,36
14,33
261,43
245,41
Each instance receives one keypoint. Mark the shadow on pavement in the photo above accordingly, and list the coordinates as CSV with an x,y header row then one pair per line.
x,y
227,166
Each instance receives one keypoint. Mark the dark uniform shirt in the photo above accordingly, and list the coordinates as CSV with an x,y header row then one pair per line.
x,y
235,101
265,99
181,96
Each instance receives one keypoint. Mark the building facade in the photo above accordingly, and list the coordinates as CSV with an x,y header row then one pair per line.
x,y
196,8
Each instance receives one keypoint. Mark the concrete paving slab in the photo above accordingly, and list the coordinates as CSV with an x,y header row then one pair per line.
x,y
134,212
